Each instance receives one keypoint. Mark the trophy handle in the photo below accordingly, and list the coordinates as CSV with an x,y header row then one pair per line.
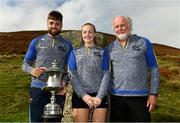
x,y
67,76
70,75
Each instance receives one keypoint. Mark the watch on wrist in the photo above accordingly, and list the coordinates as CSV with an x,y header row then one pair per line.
x,y
154,94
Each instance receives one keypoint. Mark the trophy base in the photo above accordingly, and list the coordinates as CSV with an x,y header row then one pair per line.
x,y
52,116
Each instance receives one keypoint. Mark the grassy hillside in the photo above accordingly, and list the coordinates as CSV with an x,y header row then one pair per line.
x,y
14,84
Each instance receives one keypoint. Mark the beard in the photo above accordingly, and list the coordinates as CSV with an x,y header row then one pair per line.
x,y
54,32
123,36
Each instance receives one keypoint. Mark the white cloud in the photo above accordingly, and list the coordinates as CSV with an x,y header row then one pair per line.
x,y
158,20
18,15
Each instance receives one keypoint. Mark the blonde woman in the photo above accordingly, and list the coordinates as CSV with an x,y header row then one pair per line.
x,y
89,66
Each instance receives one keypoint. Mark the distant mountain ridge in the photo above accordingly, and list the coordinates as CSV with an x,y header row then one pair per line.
x,y
18,42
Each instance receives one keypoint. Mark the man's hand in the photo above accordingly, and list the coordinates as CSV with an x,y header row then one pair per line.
x,y
63,89
151,102
36,72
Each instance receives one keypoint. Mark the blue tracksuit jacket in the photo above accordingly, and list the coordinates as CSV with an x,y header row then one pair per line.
x,y
42,51
90,70
130,68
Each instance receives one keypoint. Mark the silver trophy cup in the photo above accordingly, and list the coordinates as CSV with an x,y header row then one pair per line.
x,y
53,110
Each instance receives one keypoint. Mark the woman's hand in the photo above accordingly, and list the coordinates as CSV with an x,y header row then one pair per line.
x,y
88,100
96,101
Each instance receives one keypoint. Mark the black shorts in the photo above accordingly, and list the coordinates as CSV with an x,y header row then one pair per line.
x,y
77,102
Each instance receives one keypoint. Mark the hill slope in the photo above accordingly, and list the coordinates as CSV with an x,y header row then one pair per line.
x,y
14,84
17,42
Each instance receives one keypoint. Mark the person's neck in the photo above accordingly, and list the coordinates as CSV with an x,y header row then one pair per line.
x,y
89,45
123,43
53,36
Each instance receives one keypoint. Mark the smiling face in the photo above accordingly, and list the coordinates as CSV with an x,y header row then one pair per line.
x,y
54,27
88,34
121,27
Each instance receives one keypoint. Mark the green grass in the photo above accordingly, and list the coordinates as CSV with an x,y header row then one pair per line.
x,y
168,108
14,91
14,87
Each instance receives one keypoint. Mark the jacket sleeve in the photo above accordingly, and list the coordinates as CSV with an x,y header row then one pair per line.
x,y
72,66
153,68
29,58
106,77
66,77
69,51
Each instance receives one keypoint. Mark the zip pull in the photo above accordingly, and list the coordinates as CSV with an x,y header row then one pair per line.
x,y
53,42
88,52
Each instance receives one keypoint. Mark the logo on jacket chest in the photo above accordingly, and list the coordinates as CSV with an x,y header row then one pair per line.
x,y
61,48
99,54
137,48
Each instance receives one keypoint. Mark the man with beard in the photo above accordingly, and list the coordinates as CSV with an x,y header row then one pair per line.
x,y
133,60
42,51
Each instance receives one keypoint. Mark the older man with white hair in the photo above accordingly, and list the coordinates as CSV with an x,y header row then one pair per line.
x,y
133,60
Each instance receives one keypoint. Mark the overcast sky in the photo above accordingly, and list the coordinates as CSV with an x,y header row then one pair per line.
x,y
158,20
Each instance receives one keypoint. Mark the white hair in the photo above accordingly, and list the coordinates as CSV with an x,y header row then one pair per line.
x,y
129,20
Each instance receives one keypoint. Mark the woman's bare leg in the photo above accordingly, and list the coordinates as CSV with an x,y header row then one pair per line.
x,y
99,114
80,114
